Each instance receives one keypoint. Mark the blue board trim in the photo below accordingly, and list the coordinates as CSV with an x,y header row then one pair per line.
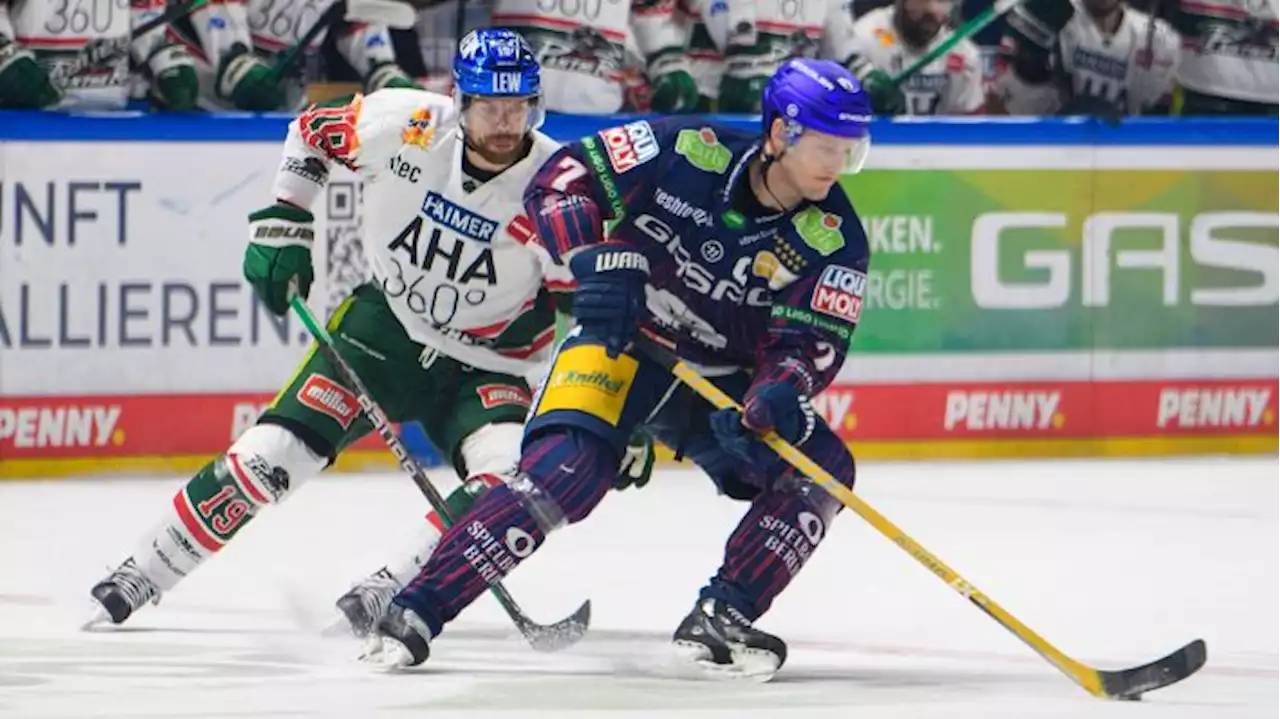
x,y
245,127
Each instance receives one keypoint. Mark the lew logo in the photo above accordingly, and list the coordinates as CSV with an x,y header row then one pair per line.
x,y
324,396
493,395
992,410
630,145
839,293
1222,407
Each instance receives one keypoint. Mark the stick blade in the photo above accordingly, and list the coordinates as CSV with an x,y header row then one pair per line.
x,y
1133,683
561,635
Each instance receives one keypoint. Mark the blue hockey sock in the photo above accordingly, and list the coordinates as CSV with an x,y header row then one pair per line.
x,y
564,475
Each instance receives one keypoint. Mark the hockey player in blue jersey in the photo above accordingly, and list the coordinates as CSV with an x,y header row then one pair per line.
x,y
738,250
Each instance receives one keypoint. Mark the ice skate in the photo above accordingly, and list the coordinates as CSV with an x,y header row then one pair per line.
x,y
722,642
121,594
366,602
401,640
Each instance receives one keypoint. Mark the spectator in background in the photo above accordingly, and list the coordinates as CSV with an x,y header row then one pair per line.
x,y
888,39
736,45
77,56
1228,64
235,44
588,52
1094,57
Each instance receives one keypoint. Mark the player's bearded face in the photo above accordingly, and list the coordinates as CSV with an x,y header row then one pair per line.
x,y
919,21
496,127
815,162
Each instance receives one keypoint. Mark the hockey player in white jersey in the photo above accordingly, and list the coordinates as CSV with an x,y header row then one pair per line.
x,y
735,47
1228,64
75,54
586,52
1088,57
888,39
459,310
235,44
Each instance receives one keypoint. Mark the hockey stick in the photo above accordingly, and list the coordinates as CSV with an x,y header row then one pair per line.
x,y
1123,684
555,637
378,12
970,28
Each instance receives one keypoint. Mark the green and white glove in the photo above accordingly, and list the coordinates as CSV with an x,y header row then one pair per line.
x,y
886,98
248,82
174,86
24,85
279,253
637,463
674,89
388,74
746,72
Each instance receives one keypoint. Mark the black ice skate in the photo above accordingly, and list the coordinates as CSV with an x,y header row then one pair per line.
x,y
365,604
402,639
121,594
721,641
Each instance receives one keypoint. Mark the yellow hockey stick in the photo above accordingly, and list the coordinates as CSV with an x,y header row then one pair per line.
x,y
1121,684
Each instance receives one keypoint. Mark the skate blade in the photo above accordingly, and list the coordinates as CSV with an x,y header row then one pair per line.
x,y
386,654
99,619
749,665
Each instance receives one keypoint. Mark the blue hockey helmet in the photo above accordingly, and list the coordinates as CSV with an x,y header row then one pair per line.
x,y
822,96
494,62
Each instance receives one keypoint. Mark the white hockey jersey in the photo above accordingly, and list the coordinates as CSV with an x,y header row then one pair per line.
x,y
270,28
84,45
950,85
1116,69
593,53
458,268
776,29
1230,49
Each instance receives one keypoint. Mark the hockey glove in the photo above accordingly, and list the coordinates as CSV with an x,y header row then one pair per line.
x,y
610,297
279,253
776,406
388,74
674,89
746,71
248,82
886,98
637,463
24,85
174,86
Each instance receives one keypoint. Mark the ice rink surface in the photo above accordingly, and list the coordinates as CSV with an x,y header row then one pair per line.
x,y
1117,563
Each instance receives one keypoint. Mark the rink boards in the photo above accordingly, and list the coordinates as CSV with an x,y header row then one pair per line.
x,y
1037,288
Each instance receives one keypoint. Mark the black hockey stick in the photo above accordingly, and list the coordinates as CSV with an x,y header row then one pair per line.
x,y
555,637
1121,684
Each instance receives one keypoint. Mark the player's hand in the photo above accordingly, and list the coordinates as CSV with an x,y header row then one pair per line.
x,y
279,253
636,467
674,89
388,74
886,98
174,86
248,81
776,406
24,85
608,303
746,71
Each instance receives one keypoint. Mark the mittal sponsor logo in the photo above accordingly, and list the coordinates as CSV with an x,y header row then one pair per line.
x,y
52,425
1198,407
1213,241
1003,410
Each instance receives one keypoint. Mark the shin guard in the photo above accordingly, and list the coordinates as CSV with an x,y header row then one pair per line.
x,y
563,475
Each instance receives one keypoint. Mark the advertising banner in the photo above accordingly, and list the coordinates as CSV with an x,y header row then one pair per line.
x,y
1016,292
1052,260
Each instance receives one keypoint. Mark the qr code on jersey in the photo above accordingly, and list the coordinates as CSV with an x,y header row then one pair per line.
x,y
345,264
